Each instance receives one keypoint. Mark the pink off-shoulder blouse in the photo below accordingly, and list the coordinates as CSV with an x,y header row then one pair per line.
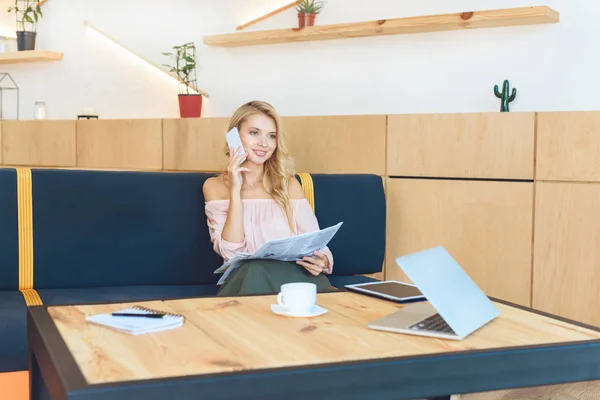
x,y
264,220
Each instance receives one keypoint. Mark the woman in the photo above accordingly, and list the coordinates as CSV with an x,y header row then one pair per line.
x,y
257,200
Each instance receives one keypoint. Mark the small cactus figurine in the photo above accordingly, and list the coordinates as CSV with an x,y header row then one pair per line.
x,y
504,96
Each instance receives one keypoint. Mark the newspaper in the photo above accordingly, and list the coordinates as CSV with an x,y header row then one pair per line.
x,y
288,249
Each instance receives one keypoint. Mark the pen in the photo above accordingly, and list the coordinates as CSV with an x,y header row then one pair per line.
x,y
116,314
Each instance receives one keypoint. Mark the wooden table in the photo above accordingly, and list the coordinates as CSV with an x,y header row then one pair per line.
x,y
237,348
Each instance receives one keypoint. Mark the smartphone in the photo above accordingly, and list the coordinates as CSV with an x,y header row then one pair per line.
x,y
233,140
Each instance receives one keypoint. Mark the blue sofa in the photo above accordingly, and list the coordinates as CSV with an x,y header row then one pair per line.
x,y
83,236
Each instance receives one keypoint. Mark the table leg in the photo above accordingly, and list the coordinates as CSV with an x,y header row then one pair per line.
x,y
37,386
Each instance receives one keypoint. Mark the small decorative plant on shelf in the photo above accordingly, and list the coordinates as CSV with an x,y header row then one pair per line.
x,y
190,104
307,11
28,13
504,96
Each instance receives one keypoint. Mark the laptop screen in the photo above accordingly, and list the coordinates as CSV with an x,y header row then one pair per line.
x,y
449,289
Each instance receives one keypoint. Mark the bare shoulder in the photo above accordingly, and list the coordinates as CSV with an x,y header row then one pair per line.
x,y
295,188
215,189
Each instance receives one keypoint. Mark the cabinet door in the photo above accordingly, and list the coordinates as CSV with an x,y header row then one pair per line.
x,y
487,226
568,146
473,145
566,273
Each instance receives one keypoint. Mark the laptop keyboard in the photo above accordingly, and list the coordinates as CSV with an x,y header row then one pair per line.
x,y
434,323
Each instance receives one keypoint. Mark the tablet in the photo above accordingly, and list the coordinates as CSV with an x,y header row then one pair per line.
x,y
390,290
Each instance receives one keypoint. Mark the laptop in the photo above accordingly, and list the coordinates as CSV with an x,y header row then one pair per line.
x,y
455,307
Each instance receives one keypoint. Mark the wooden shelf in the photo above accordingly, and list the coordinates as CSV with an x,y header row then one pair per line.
x,y
434,23
16,57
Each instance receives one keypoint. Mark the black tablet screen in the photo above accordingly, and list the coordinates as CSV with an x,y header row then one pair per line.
x,y
393,289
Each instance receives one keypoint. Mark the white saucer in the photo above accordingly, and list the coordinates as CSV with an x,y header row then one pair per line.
x,y
314,312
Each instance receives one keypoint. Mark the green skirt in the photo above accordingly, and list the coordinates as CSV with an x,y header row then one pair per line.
x,y
267,276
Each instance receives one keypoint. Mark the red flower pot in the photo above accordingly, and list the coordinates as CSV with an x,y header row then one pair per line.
x,y
306,19
190,105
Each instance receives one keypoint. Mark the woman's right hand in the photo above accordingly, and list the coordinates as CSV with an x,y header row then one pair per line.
x,y
234,169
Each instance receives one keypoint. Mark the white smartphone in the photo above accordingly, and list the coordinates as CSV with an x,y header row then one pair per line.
x,y
234,141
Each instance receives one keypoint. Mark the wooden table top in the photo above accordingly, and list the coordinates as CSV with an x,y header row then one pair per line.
x,y
242,334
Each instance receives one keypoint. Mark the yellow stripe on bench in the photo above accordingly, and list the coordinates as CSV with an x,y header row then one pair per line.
x,y
308,188
25,217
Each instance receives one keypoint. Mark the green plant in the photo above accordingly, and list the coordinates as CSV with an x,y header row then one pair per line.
x,y
504,96
26,11
310,6
185,64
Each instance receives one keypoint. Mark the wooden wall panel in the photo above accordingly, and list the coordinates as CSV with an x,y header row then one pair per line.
x,y
126,144
39,143
195,144
566,273
482,145
337,144
485,225
568,146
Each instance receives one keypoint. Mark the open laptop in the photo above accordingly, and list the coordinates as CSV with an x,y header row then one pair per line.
x,y
455,307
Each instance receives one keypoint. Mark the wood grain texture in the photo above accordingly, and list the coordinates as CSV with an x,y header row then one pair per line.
x,y
568,146
479,145
566,273
39,143
195,144
337,144
240,334
18,57
486,226
431,23
120,144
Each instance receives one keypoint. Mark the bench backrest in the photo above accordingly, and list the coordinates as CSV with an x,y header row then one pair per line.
x,y
9,239
358,201
121,228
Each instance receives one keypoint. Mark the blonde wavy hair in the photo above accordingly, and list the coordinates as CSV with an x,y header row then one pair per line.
x,y
280,168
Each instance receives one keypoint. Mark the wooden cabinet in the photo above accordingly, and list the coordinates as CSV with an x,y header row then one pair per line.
x,y
120,144
39,143
349,144
195,144
566,272
568,146
478,145
487,226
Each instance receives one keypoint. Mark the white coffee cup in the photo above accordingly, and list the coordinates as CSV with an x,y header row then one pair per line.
x,y
297,297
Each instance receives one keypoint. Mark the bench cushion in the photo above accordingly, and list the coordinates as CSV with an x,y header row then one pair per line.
x,y
123,294
340,281
13,332
116,228
9,239
359,201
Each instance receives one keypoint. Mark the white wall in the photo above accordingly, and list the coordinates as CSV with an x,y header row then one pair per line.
x,y
553,67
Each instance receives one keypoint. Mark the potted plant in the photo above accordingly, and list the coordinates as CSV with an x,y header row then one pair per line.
x,y
28,13
307,11
190,104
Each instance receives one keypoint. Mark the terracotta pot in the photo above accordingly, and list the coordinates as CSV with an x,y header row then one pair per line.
x,y
306,19
190,105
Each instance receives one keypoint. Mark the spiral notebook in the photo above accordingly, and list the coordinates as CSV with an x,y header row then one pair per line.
x,y
134,325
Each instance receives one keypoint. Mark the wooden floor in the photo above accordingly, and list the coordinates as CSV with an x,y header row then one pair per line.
x,y
14,386
572,391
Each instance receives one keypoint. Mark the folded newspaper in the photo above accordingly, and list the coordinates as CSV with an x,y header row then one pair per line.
x,y
288,249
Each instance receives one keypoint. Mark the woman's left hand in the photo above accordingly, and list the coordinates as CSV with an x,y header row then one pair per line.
x,y
315,264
